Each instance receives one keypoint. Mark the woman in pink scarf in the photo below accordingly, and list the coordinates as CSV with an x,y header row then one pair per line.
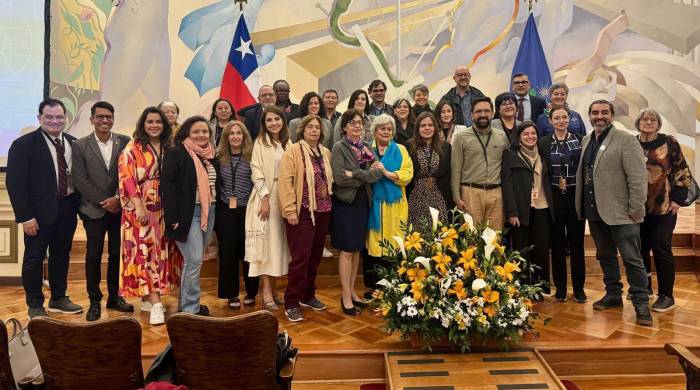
x,y
188,194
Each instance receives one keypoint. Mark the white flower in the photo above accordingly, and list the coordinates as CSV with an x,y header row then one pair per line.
x,y
489,235
459,272
478,284
469,221
445,285
425,262
445,322
412,311
399,240
384,283
408,301
434,214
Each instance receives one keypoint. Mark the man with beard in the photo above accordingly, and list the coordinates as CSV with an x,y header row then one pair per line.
x,y
461,96
612,198
476,166
529,107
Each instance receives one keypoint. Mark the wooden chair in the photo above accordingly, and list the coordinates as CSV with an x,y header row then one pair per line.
x,y
100,355
689,362
7,381
227,353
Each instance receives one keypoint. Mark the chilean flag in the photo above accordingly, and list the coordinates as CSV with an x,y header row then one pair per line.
x,y
240,76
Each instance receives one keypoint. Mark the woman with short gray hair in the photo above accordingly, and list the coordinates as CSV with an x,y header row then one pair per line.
x,y
558,94
669,180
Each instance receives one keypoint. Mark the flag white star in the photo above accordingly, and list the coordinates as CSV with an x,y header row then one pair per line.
x,y
244,48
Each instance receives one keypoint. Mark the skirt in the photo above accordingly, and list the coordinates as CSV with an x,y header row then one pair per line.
x,y
349,222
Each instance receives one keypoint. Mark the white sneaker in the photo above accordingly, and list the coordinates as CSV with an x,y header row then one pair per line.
x,y
146,306
157,314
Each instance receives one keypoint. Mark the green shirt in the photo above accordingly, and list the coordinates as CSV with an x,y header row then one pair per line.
x,y
469,165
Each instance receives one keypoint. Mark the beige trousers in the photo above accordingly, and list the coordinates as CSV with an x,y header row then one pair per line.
x,y
484,205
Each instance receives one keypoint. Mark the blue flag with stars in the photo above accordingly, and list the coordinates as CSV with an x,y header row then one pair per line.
x,y
531,60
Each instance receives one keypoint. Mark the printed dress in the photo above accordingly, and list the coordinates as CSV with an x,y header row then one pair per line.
x,y
425,192
150,261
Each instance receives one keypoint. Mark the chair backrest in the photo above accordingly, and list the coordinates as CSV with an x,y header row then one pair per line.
x,y
7,381
224,353
102,355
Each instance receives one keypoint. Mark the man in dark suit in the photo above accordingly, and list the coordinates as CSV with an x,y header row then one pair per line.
x,y
95,177
253,114
282,101
43,199
529,107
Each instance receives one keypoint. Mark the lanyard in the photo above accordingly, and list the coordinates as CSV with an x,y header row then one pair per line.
x,y
234,169
483,146
158,155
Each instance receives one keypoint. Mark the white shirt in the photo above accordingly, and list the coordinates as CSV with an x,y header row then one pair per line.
x,y
67,154
105,148
527,110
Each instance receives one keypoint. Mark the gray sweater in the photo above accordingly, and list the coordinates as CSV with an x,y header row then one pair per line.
x,y
343,159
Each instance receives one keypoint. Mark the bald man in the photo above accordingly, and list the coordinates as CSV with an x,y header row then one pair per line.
x,y
253,114
461,95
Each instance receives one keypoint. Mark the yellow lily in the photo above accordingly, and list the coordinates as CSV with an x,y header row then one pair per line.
x,y
490,311
467,258
441,262
490,296
506,271
413,241
416,274
402,268
458,289
449,235
417,291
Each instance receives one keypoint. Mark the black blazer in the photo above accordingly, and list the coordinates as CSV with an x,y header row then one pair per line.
x,y
537,106
178,185
31,179
253,116
544,145
516,186
443,178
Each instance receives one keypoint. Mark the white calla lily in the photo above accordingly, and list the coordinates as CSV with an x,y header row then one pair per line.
x,y
384,283
469,221
434,214
489,235
399,240
478,284
445,285
424,261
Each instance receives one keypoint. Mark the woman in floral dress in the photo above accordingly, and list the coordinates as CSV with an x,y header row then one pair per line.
x,y
151,263
430,186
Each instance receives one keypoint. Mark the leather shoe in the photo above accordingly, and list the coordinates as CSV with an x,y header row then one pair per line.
x,y
120,304
203,311
94,312
607,302
643,316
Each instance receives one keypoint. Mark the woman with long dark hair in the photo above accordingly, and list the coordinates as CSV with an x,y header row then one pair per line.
x,y
312,104
359,101
222,111
151,262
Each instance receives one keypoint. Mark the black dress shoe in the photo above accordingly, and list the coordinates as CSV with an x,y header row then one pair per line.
x,y
94,312
360,304
120,304
203,311
351,312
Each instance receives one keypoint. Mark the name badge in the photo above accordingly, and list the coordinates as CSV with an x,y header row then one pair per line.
x,y
562,183
535,194
232,202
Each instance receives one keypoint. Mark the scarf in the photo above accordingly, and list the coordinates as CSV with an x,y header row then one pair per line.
x,y
362,152
198,153
385,191
309,174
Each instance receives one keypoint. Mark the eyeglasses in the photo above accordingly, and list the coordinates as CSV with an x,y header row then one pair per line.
x,y
356,123
461,75
649,119
521,82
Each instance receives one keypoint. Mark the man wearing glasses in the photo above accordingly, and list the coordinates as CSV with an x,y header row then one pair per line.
x,y
253,114
461,96
529,107
95,176
45,203
377,92
282,101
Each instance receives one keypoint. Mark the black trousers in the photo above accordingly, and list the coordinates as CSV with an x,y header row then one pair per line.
x,y
57,238
656,234
95,230
567,229
230,233
537,233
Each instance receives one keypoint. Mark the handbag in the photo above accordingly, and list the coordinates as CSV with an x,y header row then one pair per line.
x,y
23,359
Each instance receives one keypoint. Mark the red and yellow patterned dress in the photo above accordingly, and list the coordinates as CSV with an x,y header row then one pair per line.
x,y
150,261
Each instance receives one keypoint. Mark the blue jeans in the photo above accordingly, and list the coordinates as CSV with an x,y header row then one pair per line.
x,y
193,251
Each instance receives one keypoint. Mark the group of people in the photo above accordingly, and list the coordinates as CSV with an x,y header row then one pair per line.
x,y
274,179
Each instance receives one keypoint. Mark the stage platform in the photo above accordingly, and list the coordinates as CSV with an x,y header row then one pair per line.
x,y
595,350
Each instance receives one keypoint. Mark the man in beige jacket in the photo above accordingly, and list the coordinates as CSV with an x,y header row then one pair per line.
x,y
611,192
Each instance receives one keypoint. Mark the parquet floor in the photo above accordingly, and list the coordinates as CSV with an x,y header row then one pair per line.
x,y
567,323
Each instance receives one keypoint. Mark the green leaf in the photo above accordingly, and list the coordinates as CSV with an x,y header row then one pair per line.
x,y
77,72
71,20
87,29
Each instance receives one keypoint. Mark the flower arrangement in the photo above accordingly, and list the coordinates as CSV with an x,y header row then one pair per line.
x,y
455,281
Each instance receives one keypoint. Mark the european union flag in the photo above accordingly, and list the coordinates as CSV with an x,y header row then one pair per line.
x,y
531,60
